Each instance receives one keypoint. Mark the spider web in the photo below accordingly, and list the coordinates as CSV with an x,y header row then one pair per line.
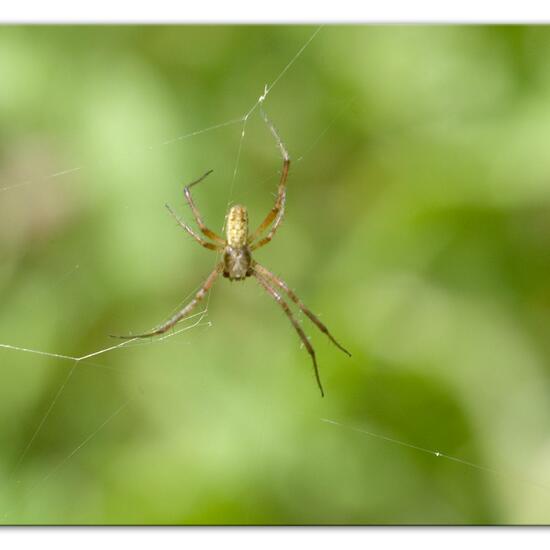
x,y
195,320
200,319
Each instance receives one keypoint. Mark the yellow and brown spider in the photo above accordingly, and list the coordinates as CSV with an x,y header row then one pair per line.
x,y
237,262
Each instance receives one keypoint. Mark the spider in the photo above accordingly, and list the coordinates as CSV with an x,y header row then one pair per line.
x,y
237,263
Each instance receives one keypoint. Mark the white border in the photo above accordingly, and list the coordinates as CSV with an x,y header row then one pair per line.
x,y
280,11
350,538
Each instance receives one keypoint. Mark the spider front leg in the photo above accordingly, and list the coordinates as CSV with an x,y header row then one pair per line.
x,y
202,242
278,211
277,297
183,312
281,284
196,214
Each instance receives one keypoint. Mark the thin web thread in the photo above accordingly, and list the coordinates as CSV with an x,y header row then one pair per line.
x,y
182,137
147,148
79,447
76,449
438,454
125,344
44,178
85,441
45,417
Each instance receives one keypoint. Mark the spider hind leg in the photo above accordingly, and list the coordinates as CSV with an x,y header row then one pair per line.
x,y
292,295
184,312
277,297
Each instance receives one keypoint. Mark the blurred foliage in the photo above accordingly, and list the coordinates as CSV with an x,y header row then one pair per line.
x,y
418,227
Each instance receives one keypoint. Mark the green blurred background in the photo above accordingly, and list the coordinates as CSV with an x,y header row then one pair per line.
x,y
418,228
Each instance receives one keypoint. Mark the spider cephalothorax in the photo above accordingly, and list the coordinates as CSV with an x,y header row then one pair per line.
x,y
237,262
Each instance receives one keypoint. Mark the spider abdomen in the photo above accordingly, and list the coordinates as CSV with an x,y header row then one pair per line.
x,y
237,226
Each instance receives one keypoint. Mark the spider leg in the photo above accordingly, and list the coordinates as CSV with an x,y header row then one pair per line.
x,y
208,232
183,312
278,211
281,284
277,297
202,242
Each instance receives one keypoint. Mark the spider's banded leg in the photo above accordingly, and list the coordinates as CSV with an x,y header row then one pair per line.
x,y
273,230
208,232
183,312
202,242
281,284
277,297
278,211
